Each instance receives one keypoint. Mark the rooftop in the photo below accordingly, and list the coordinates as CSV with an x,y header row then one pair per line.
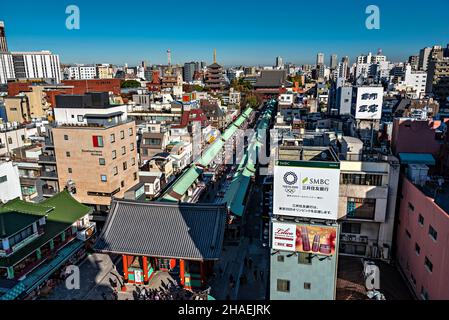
x,y
62,210
163,229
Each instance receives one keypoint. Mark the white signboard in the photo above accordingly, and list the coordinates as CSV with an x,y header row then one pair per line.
x,y
284,236
306,189
369,103
138,276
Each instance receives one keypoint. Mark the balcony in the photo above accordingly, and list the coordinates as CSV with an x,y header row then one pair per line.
x,y
49,191
47,159
53,175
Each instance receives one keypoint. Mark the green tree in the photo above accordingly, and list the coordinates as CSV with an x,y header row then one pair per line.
x,y
130,84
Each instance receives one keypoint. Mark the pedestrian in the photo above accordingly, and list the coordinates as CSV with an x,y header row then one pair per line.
x,y
261,275
246,262
255,274
231,278
250,263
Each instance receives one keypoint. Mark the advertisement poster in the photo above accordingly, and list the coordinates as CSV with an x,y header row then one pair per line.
x,y
304,238
369,103
316,239
284,236
309,192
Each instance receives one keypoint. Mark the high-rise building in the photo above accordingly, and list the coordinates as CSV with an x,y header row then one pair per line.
x,y
6,67
424,57
414,62
438,78
279,62
189,70
320,58
36,65
333,62
3,43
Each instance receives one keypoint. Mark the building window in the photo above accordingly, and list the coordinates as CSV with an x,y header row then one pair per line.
x,y
307,286
115,171
104,178
358,208
125,166
101,161
354,228
3,179
130,131
408,234
69,170
122,183
122,134
280,258
433,233
123,150
417,249
114,154
304,258
66,137
428,264
361,179
80,118
97,141
67,154
411,207
283,285
133,161
131,147
112,138
135,176
421,220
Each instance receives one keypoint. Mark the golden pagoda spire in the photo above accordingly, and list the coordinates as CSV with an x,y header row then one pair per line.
x,y
215,55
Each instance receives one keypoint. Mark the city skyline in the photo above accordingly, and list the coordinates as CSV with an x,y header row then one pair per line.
x,y
102,38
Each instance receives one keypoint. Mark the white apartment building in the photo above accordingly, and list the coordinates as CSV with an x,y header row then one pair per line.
x,y
6,68
414,81
368,192
9,181
12,137
82,72
79,116
36,65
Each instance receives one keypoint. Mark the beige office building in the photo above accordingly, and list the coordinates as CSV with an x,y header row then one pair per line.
x,y
100,161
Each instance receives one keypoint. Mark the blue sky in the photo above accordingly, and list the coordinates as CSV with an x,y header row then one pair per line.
x,y
243,31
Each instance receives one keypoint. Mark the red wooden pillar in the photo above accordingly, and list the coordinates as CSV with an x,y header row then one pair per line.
x,y
125,272
145,269
181,271
125,267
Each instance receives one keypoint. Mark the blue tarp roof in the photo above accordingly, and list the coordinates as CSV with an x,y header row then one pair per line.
x,y
417,158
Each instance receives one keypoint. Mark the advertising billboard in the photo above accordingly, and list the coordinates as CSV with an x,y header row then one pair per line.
x,y
369,103
306,189
316,239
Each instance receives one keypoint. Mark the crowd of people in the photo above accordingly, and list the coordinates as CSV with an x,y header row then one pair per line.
x,y
167,291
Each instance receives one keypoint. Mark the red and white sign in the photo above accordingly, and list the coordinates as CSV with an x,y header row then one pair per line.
x,y
284,236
